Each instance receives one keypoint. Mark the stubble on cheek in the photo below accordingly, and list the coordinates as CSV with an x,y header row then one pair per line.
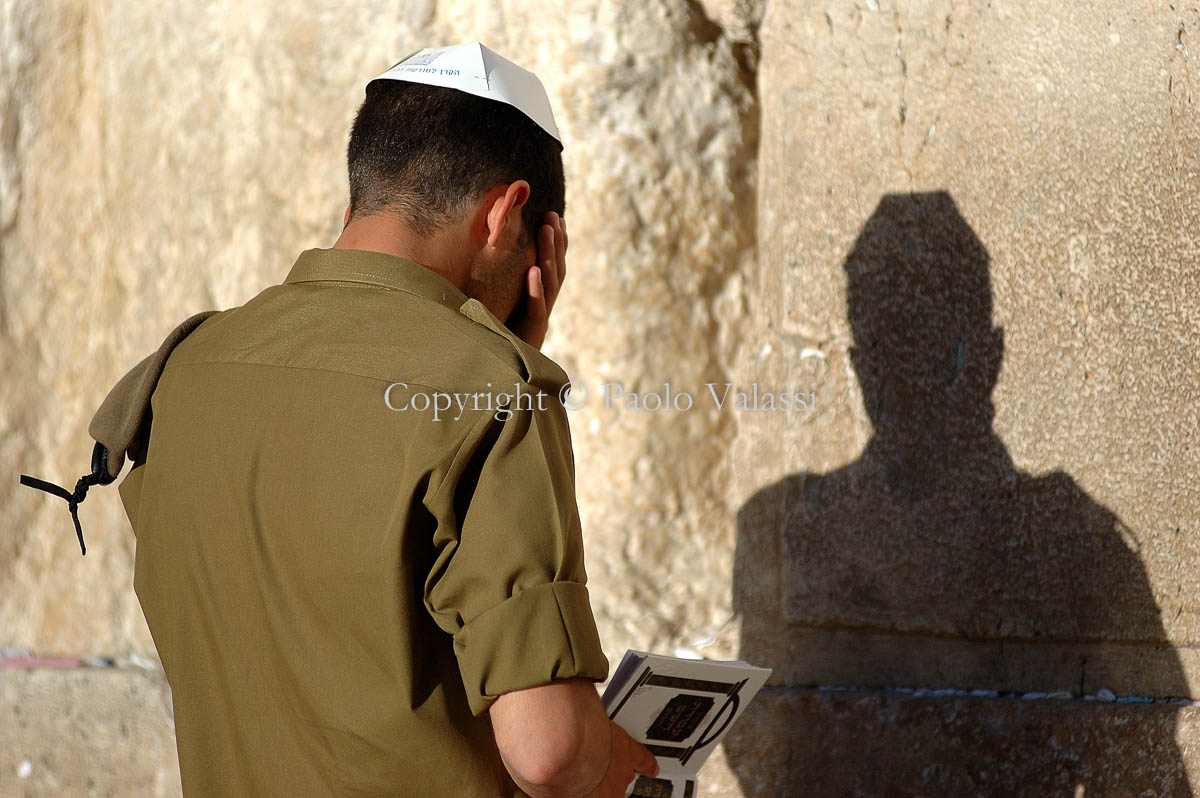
x,y
501,288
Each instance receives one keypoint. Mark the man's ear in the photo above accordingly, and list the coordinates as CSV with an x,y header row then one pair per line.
x,y
505,209
346,218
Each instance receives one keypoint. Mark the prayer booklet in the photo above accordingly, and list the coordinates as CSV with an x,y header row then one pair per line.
x,y
679,709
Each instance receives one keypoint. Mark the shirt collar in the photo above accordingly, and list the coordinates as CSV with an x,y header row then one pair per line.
x,y
375,268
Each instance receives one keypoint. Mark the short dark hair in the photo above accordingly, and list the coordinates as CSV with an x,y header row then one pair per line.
x,y
425,152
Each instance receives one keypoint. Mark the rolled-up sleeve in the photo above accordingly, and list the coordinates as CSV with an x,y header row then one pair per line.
x,y
507,579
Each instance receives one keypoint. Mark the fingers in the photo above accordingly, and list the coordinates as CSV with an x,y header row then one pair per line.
x,y
537,293
638,755
543,281
644,761
560,250
550,257
552,253
622,767
627,758
536,305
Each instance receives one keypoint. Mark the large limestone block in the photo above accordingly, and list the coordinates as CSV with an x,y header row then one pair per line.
x,y
170,160
655,103
101,732
57,291
871,744
164,160
976,245
86,732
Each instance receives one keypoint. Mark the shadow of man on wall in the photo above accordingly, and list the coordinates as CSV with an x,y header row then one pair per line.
x,y
933,562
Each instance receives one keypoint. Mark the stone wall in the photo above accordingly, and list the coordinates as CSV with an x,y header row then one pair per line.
x,y
976,239
964,230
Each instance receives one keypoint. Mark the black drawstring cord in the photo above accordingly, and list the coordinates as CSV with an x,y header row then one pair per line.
x,y
99,476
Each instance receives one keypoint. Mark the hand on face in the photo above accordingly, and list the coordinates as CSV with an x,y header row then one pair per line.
x,y
542,282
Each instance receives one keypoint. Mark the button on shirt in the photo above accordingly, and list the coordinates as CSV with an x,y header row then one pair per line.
x,y
340,570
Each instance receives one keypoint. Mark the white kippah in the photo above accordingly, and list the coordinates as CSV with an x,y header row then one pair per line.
x,y
477,70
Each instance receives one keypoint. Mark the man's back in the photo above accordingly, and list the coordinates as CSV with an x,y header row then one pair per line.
x,y
338,582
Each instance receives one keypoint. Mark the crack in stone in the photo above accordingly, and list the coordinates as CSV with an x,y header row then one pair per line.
x,y
1102,696
745,47
902,106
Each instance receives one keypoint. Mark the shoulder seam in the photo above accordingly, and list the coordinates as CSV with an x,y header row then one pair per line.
x,y
298,368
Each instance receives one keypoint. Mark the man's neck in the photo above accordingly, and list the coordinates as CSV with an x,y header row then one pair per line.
x,y
386,234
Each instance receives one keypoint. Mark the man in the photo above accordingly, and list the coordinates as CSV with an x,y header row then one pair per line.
x,y
358,547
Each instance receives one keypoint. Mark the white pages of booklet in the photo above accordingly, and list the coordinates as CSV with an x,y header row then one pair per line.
x,y
679,709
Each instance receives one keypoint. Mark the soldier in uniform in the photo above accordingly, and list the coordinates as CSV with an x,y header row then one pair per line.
x,y
358,546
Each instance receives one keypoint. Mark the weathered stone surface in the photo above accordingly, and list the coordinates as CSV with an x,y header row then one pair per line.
x,y
194,171
966,227
976,470
93,732
161,161
649,275
109,732
797,743
974,244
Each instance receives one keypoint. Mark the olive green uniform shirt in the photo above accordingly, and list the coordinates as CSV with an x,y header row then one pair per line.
x,y
338,581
